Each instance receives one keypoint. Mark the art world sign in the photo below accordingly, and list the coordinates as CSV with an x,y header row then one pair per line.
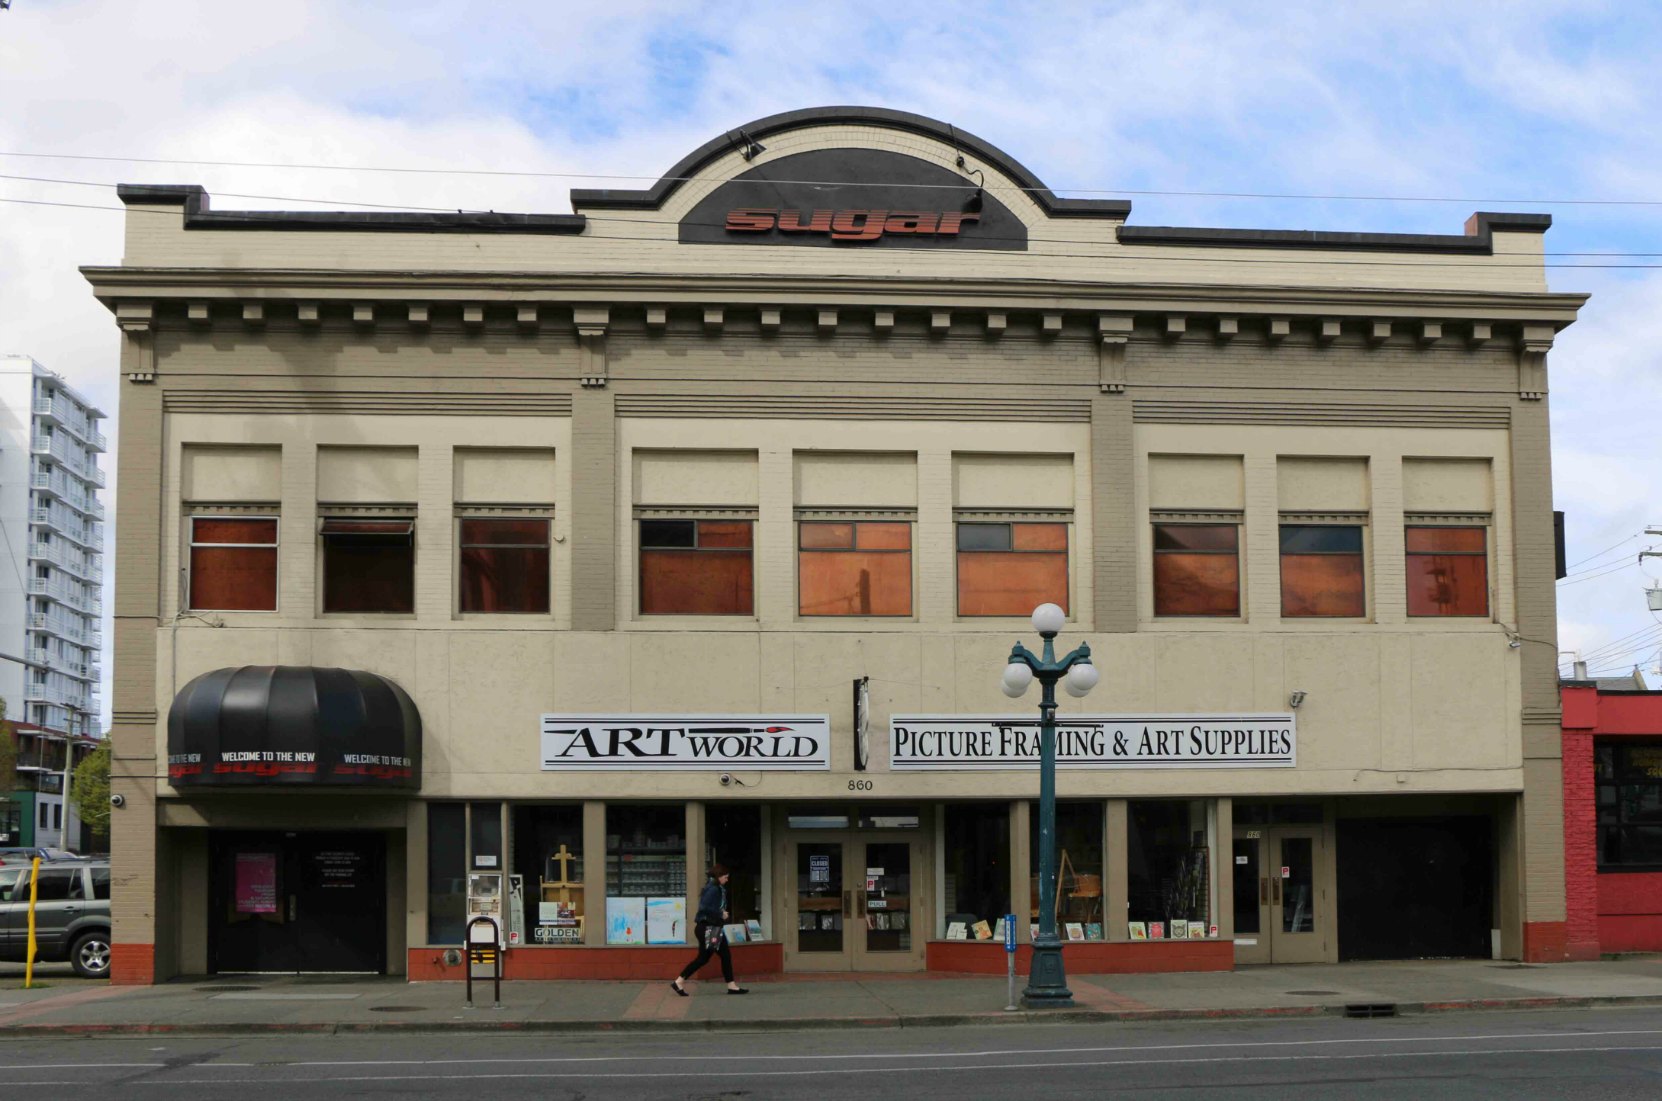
x,y
685,743
970,742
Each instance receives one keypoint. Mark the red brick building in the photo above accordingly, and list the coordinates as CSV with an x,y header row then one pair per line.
x,y
1612,817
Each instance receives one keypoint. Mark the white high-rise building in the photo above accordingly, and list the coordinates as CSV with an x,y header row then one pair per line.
x,y
51,585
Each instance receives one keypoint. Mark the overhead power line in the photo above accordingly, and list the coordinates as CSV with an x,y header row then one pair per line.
x,y
529,174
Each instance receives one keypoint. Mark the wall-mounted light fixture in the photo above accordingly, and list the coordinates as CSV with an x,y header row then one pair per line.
x,y
749,147
1296,700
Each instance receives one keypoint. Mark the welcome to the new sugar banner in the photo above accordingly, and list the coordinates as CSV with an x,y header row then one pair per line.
x,y
955,742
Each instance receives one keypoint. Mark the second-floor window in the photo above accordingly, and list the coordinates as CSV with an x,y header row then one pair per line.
x,y
1011,568
696,567
503,565
233,563
1197,569
854,567
1322,570
1448,571
368,565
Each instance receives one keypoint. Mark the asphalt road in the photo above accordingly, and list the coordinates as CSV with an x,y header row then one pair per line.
x,y
1608,1054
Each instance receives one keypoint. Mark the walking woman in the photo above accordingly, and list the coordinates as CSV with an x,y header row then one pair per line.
x,y
707,923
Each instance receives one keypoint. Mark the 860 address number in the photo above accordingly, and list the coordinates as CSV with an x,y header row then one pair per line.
x,y
859,785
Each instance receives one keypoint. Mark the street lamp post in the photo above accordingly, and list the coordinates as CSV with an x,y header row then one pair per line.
x,y
1047,982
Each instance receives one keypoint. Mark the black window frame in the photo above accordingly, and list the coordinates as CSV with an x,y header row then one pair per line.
x,y
1611,775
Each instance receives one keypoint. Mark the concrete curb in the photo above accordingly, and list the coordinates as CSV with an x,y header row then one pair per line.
x,y
797,1024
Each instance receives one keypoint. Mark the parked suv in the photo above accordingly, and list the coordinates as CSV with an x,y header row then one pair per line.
x,y
72,914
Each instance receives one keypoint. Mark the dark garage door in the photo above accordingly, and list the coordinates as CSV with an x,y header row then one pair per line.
x,y
1415,888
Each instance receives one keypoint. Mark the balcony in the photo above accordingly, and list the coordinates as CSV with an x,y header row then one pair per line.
x,y
63,412
62,627
68,559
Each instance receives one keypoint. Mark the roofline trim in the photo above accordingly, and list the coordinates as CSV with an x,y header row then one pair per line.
x,y
197,215
654,197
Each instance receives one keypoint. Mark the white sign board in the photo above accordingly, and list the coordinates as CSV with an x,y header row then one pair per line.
x,y
979,742
686,743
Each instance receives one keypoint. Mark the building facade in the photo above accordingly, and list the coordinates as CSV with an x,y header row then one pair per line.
x,y
51,599
586,549
1612,815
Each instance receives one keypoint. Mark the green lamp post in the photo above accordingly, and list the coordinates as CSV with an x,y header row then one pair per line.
x,y
1047,982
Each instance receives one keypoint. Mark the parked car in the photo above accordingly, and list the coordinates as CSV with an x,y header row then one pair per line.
x,y
72,914
25,854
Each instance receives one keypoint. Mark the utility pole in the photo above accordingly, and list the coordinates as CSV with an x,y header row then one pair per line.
x,y
1653,595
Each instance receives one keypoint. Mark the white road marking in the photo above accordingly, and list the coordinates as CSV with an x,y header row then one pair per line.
x,y
984,1053
170,1083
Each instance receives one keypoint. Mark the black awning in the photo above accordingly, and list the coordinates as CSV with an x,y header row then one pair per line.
x,y
293,726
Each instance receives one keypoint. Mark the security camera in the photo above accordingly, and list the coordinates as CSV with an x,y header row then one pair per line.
x,y
726,778
118,800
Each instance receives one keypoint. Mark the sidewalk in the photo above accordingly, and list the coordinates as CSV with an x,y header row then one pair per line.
x,y
242,1005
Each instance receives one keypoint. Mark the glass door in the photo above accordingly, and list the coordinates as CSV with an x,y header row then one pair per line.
x,y
820,940
885,909
1252,898
1296,917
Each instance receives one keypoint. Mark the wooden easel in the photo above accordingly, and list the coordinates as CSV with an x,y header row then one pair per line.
x,y
560,888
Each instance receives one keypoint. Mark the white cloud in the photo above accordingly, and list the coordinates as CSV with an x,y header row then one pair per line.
x,y
1419,96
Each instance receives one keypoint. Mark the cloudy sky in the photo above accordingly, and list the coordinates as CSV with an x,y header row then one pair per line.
x,y
1442,108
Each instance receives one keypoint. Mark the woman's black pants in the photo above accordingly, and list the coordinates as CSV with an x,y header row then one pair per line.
x,y
705,952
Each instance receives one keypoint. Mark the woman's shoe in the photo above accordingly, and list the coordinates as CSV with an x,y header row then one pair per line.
x,y
740,990
679,990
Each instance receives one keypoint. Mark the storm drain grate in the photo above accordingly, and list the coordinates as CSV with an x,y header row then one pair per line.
x,y
1371,1009
1313,993
225,989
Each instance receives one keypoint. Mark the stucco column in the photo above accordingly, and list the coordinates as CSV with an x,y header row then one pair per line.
x,y
1116,889
141,946
594,873
593,510
1223,859
1113,514
1021,869
1544,932
696,863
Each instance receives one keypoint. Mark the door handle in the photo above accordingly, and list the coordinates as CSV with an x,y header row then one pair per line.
x,y
847,905
294,907
1263,890
71,909
860,904
1277,883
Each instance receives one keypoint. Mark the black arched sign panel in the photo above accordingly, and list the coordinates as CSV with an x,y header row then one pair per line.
x,y
293,726
853,198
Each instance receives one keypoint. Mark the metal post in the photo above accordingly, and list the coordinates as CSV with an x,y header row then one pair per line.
x,y
1047,983
1010,961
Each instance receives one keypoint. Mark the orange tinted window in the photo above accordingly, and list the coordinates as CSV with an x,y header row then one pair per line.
x,y
1448,585
1010,583
696,582
517,532
854,583
1039,537
724,533
1445,540
1195,537
817,534
1322,585
1197,584
225,529
869,536
233,578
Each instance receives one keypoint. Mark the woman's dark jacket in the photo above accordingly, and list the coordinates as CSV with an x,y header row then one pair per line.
x,y
712,900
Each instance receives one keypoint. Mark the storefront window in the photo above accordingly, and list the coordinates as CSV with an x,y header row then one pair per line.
x,y
734,837
548,858
646,874
446,872
977,862
485,820
1168,870
1629,781
1079,846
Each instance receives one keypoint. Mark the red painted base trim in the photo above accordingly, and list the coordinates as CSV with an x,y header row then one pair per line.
x,y
613,962
1088,957
132,964
1545,942
1630,932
